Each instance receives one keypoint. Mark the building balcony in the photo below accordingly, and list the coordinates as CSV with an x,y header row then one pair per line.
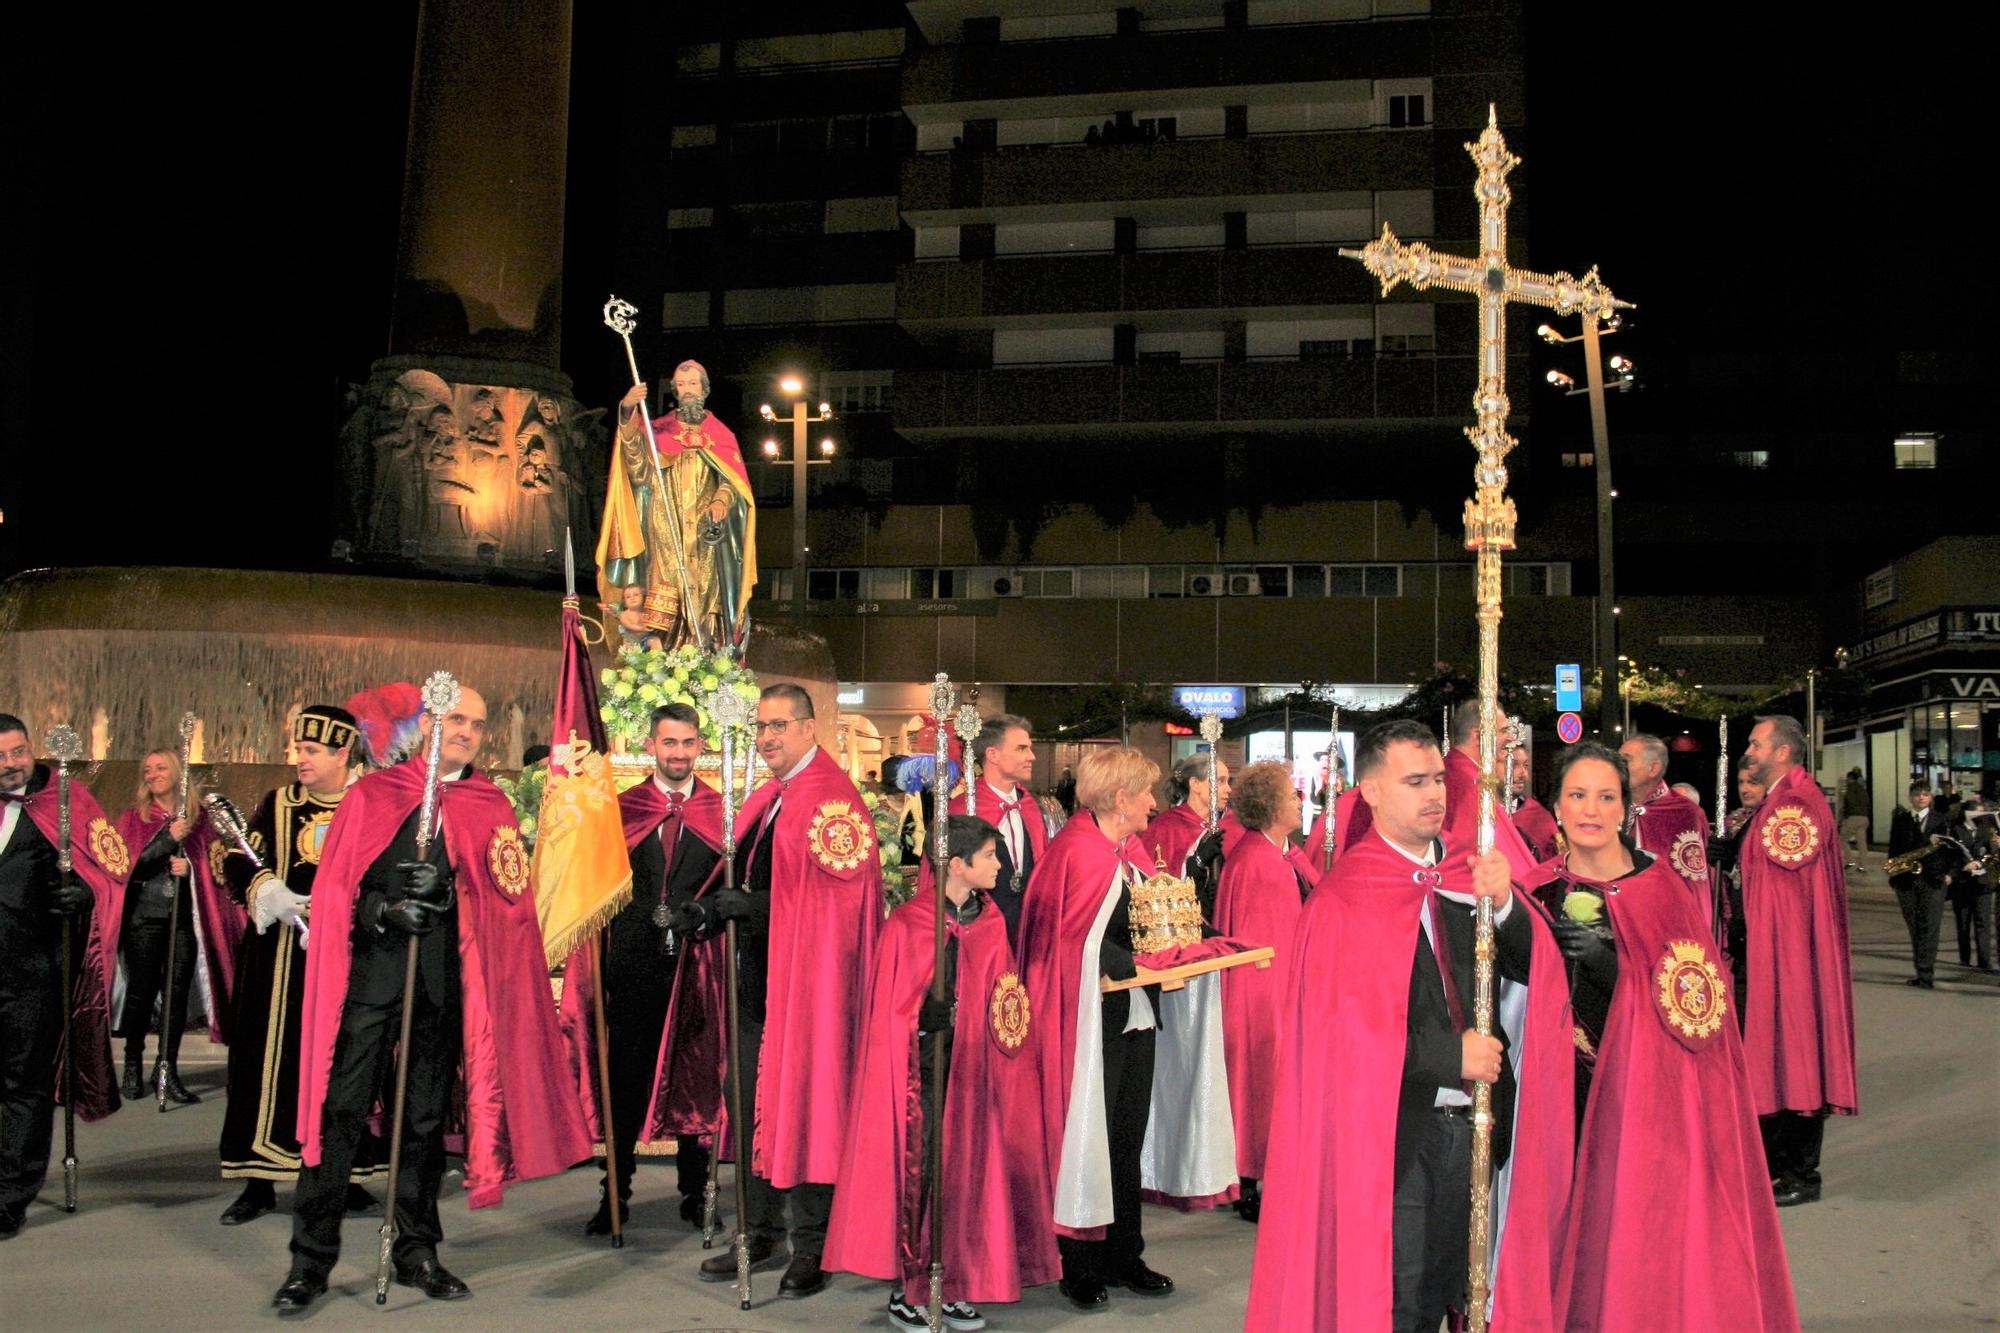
x,y
1272,277
985,76
969,185
968,404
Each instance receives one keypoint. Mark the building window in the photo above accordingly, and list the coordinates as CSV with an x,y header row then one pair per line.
x,y
886,584
926,584
1366,581
857,390
1579,460
1308,580
1755,459
1405,344
826,585
1916,451
1406,111
1538,580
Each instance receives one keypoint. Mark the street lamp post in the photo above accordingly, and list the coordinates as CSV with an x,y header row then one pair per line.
x,y
793,387
1600,445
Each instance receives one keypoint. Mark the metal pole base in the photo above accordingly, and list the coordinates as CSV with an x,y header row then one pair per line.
x,y
743,1270
709,1228
69,1184
382,1259
160,1084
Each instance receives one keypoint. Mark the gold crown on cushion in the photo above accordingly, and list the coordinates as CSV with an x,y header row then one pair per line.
x,y
324,724
1165,912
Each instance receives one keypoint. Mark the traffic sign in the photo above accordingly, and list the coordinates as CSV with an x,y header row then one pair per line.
x,y
1569,688
1569,727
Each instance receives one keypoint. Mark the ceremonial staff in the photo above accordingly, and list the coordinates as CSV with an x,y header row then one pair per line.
x,y
440,697
943,696
1327,792
1211,731
618,317
1489,530
66,748
1719,893
188,725
726,710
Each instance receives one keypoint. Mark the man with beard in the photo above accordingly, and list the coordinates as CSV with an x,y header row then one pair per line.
x,y
35,899
703,530
1798,1005
260,1137
1664,822
481,1017
663,993
808,913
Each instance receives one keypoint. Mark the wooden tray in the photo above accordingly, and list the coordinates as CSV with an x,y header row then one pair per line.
x,y
1174,978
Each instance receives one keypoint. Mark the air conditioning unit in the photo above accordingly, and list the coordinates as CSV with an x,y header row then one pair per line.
x,y
1204,583
1245,585
1007,585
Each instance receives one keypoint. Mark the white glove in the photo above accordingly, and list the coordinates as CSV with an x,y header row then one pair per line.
x,y
277,903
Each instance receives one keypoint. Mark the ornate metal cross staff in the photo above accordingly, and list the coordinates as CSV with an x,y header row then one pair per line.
x,y
1489,530
65,747
943,695
730,713
618,317
1720,894
189,723
1211,731
1328,791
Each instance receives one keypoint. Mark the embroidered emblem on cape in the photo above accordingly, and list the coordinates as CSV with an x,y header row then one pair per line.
x,y
1790,836
1687,855
508,860
312,837
1008,1011
1690,991
109,848
216,852
840,838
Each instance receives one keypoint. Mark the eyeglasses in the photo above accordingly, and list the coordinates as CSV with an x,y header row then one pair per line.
x,y
775,728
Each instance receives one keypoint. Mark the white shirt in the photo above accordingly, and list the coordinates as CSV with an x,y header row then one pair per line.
x,y
1010,825
1454,1095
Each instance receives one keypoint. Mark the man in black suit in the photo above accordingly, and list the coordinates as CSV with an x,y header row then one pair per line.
x,y
1921,893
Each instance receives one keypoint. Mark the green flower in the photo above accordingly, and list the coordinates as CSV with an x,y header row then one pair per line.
x,y
708,684
606,676
622,690
1583,905
650,693
681,673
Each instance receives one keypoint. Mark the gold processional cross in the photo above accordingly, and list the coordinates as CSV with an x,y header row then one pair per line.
x,y
1489,530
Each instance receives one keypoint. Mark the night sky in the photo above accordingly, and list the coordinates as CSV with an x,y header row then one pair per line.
x,y
204,235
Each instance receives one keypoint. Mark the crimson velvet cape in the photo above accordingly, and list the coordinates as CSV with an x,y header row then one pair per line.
x,y
1258,903
1461,817
1798,1031
826,916
687,1081
998,1235
1537,828
102,861
1675,830
1671,1224
219,920
989,810
1324,1250
1171,836
520,1110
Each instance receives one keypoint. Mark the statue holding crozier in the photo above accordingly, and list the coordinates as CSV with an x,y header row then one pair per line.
x,y
680,525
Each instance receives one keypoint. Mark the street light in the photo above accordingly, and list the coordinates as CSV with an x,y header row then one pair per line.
x,y
1600,444
799,418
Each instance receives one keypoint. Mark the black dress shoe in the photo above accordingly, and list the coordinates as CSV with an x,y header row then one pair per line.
x,y
433,1279
803,1277
10,1221
1794,1192
257,1199
359,1202
177,1091
300,1290
1140,1281
133,1086
722,1267
692,1208
1924,982
1086,1294
600,1221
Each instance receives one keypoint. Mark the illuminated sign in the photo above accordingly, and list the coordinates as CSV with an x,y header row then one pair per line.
x,y
1222,700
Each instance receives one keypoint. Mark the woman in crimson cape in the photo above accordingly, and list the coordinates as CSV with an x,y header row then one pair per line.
x,y
1671,1222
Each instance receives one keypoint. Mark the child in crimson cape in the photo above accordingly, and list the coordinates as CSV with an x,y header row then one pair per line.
x,y
994,1191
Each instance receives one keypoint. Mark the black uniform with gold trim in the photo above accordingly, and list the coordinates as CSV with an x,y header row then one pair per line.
x,y
260,1125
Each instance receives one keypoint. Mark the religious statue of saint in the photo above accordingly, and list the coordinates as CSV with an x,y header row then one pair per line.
x,y
680,527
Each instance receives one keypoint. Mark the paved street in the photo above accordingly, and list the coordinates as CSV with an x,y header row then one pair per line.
x,y
1905,1239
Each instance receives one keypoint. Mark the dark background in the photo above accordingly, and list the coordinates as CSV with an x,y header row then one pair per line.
x,y
203,233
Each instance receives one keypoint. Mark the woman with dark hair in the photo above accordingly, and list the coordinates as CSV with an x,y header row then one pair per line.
x,y
1669,1136
1258,900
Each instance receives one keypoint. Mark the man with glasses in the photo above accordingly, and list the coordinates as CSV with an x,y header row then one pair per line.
x,y
808,909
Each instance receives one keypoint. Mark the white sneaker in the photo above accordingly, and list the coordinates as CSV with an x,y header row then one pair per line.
x,y
957,1314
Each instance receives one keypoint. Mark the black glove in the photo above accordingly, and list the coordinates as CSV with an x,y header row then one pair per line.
x,y
70,896
727,905
1582,945
1721,852
936,1015
1115,961
405,916
425,883
687,919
